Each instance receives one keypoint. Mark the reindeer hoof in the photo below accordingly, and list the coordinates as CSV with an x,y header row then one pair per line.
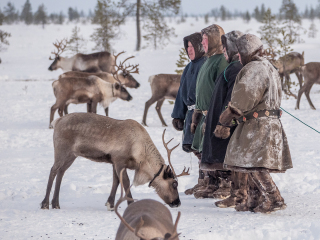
x,y
109,207
55,206
45,206
50,126
144,124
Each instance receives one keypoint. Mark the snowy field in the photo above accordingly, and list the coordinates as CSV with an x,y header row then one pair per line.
x,y
26,149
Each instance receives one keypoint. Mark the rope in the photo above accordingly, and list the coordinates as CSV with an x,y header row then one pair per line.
x,y
224,73
300,120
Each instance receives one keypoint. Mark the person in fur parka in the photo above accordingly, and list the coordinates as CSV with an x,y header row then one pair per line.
x,y
258,145
214,149
186,97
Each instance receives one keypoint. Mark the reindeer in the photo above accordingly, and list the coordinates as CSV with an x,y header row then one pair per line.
x,y
311,74
145,219
123,143
163,86
91,90
95,62
291,63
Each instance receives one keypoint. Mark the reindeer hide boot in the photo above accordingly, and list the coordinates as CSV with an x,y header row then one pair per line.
x,y
212,184
231,200
242,192
271,197
254,194
200,184
224,185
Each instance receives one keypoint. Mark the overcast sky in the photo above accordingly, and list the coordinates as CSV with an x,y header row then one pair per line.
x,y
188,6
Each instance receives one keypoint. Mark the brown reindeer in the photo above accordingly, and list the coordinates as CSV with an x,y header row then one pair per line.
x,y
123,143
311,74
146,219
163,86
91,90
291,63
95,62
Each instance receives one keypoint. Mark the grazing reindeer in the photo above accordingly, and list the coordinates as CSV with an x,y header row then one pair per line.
x,y
145,219
291,63
91,90
163,86
123,143
311,74
95,62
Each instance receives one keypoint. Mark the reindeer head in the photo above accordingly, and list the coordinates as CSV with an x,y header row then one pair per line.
x,y
170,235
60,45
123,73
120,92
166,185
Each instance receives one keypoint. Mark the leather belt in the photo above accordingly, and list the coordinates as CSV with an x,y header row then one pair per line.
x,y
192,107
263,113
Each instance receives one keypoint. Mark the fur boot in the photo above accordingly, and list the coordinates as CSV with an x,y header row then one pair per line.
x,y
231,200
242,192
224,189
271,197
201,184
211,186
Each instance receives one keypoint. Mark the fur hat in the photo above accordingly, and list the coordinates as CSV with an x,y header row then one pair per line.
x,y
229,42
195,40
249,47
214,33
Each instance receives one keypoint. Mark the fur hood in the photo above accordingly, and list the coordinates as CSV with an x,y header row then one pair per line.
x,y
214,33
229,42
195,40
249,47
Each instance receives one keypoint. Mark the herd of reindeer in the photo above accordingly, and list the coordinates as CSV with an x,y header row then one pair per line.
x,y
97,78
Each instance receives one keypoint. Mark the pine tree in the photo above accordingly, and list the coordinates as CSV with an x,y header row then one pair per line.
x,y
1,17
40,16
158,32
223,13
262,12
10,13
247,17
306,13
182,61
73,14
107,16
26,14
61,18
257,14
312,31
76,43
206,18
3,40
269,32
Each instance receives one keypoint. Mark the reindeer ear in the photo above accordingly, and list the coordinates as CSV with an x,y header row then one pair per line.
x,y
116,86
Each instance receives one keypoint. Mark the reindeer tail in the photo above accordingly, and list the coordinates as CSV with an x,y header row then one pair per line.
x,y
151,79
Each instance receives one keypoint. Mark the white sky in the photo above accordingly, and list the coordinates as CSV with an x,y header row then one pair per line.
x,y
188,6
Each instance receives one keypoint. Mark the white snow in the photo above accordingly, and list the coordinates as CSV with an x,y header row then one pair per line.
x,y
26,149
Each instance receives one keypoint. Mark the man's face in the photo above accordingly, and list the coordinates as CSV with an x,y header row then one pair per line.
x,y
191,52
205,42
225,53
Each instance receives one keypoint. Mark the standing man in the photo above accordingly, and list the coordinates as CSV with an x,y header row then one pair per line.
x,y
186,97
259,144
210,70
214,149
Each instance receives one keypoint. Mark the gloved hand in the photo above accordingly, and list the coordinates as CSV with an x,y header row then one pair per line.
x,y
222,132
196,118
229,114
178,124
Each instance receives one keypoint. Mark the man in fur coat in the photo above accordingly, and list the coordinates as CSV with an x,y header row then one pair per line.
x,y
214,149
210,70
186,97
258,145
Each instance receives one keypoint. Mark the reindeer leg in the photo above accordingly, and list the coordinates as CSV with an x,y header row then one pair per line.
x,y
68,160
126,182
66,109
158,109
299,76
307,92
94,107
107,111
52,175
53,110
151,101
89,107
60,110
115,184
301,91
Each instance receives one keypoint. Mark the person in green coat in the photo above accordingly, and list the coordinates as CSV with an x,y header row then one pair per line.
x,y
210,70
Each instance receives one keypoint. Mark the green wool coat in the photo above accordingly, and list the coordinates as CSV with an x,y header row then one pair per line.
x,y
207,76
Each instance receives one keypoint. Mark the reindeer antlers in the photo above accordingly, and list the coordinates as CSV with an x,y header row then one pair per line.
x,y
128,69
60,45
169,153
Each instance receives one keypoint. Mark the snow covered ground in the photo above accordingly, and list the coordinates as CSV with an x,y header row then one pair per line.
x,y
26,149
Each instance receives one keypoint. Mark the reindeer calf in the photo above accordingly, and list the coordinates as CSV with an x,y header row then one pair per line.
x,y
163,86
145,219
91,90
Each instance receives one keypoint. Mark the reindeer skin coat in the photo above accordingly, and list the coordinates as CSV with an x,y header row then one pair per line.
x,y
261,142
187,91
